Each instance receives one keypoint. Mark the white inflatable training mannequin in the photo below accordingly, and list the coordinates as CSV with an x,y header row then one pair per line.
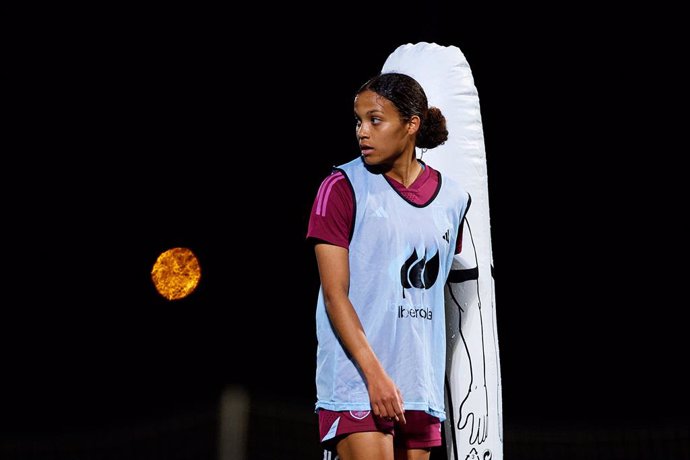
x,y
473,429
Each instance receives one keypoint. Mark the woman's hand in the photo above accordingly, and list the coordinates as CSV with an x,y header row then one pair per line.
x,y
386,399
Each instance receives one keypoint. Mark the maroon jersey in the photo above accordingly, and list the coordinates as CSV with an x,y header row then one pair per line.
x,y
333,211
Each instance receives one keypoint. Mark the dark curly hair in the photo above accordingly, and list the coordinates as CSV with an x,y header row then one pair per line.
x,y
408,96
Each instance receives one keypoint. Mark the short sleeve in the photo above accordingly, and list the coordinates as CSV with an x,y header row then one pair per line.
x,y
332,214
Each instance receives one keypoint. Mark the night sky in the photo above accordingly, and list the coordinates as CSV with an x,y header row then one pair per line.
x,y
178,128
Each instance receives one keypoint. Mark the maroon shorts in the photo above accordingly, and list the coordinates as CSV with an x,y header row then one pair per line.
x,y
422,431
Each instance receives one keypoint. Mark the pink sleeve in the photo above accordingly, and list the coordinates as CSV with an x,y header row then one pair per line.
x,y
332,212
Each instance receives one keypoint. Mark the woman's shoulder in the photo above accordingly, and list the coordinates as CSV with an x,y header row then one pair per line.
x,y
449,182
352,164
335,183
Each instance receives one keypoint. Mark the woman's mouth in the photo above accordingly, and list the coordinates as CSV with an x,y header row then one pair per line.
x,y
366,149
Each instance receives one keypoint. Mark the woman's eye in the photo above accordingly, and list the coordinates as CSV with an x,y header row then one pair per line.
x,y
375,121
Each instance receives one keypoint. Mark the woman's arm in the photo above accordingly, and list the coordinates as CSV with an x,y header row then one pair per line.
x,y
334,271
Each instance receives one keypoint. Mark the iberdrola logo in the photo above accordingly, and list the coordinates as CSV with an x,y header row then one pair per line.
x,y
419,272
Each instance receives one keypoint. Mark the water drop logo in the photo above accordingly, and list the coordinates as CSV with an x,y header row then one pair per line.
x,y
419,273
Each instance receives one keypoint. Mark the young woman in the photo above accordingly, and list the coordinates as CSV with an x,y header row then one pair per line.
x,y
385,228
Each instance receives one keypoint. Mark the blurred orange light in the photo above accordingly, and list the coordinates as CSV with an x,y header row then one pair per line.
x,y
176,273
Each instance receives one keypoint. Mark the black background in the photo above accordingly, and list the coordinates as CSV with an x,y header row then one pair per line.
x,y
148,129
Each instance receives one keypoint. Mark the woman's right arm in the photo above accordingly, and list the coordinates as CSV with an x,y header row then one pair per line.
x,y
334,271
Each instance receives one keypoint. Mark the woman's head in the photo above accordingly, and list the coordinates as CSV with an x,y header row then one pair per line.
x,y
409,99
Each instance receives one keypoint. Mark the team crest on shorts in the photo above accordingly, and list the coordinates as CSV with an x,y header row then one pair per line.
x,y
359,414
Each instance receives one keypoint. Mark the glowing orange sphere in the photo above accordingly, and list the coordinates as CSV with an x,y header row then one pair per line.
x,y
176,273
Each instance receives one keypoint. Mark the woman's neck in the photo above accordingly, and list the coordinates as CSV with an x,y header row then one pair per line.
x,y
406,172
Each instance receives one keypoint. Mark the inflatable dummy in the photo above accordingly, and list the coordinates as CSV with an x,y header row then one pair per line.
x,y
473,428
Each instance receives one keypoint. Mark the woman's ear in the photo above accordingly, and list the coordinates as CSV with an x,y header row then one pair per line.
x,y
413,124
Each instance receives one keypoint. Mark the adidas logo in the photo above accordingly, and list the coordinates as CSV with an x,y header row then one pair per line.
x,y
446,236
380,212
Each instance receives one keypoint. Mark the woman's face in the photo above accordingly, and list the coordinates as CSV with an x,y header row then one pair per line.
x,y
382,135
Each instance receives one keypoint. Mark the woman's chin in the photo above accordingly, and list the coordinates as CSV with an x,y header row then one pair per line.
x,y
370,160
